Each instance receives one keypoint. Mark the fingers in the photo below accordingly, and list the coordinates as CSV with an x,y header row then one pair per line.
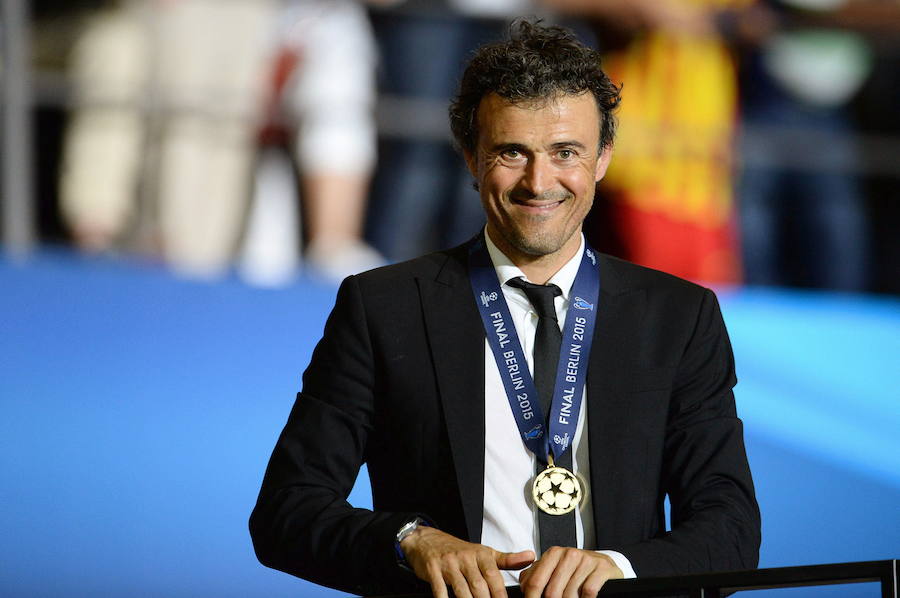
x,y
457,580
514,560
469,569
592,584
495,583
491,574
481,583
567,573
578,585
436,581
534,579
475,575
567,564
468,575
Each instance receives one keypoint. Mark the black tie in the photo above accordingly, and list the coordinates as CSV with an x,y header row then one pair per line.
x,y
554,530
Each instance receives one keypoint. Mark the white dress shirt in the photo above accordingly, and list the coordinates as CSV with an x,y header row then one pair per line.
x,y
510,517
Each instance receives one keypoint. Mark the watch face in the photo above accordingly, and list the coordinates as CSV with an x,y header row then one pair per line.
x,y
407,529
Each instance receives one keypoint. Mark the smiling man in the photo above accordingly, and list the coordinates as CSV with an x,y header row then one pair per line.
x,y
536,163
523,403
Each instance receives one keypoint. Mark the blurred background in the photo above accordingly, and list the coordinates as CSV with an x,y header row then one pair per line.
x,y
184,183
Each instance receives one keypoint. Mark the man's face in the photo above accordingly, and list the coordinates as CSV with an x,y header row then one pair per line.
x,y
536,165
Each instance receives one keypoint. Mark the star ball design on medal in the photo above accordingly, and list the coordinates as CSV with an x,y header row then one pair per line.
x,y
556,490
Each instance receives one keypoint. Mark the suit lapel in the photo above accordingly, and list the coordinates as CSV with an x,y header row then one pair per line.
x,y
612,356
456,339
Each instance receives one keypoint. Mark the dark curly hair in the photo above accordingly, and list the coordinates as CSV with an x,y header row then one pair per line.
x,y
536,63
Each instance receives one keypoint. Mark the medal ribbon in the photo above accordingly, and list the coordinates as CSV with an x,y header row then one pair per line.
x,y
571,371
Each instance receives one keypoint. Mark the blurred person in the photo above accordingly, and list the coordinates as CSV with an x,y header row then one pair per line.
x,y
171,96
103,145
876,116
670,183
422,198
320,110
803,215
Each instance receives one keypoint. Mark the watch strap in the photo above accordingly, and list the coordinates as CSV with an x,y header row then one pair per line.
x,y
407,528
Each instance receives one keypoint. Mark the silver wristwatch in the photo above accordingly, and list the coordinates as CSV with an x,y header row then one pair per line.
x,y
408,528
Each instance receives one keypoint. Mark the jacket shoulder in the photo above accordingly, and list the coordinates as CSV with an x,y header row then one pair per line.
x,y
448,265
624,275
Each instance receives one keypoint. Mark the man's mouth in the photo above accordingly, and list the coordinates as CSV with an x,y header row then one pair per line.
x,y
540,204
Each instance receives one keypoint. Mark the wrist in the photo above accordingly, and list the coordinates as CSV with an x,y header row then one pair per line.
x,y
406,534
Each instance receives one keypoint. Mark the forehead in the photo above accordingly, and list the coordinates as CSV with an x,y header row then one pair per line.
x,y
562,117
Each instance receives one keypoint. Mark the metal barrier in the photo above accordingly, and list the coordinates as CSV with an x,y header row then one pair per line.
x,y
715,585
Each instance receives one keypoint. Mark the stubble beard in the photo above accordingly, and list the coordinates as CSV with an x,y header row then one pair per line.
x,y
528,235
535,244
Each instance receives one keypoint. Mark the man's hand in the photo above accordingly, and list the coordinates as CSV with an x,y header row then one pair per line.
x,y
472,570
568,573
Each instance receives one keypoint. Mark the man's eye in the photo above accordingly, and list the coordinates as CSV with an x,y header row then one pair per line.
x,y
511,154
565,154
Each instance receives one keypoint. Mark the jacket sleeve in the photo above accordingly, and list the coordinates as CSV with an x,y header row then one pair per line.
x,y
715,518
302,523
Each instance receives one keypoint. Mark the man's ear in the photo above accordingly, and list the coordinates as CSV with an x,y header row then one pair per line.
x,y
602,163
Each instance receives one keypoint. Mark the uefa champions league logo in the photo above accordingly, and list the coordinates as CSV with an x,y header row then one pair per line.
x,y
556,491
562,443
486,299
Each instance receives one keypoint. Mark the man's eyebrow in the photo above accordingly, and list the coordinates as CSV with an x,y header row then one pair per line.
x,y
502,147
520,147
568,144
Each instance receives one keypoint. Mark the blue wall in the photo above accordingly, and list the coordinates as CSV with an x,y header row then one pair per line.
x,y
139,411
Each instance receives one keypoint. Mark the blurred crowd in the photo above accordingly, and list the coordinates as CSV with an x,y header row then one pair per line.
x,y
758,140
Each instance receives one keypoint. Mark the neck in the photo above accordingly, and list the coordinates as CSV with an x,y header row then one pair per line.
x,y
538,268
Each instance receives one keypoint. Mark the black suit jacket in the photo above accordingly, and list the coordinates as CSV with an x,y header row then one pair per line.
x,y
397,382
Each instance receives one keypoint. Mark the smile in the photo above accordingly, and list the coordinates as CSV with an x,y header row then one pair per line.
x,y
538,207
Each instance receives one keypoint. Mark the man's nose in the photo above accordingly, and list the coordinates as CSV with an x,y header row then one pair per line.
x,y
538,176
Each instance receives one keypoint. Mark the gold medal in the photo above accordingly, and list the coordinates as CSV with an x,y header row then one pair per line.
x,y
556,490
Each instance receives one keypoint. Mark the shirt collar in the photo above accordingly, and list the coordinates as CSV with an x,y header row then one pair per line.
x,y
506,270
